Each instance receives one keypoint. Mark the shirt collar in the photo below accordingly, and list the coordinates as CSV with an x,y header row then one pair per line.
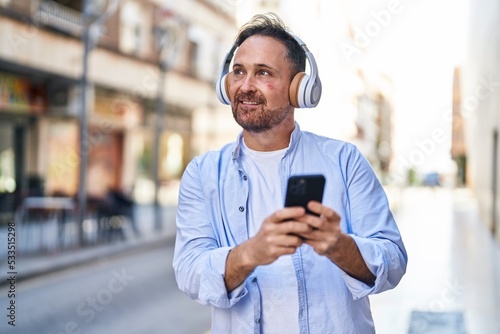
x,y
294,139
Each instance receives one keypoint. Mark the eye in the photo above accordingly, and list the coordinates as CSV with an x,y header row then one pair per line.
x,y
264,72
238,71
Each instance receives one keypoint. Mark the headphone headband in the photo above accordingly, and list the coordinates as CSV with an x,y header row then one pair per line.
x,y
305,90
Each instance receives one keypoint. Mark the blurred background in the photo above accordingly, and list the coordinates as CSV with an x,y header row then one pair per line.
x,y
103,103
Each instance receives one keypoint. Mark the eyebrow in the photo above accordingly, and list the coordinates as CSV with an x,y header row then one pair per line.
x,y
256,65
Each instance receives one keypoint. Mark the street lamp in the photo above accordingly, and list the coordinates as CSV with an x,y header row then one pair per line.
x,y
93,24
166,37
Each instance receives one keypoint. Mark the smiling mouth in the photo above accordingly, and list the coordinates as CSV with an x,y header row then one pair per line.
x,y
249,100
249,103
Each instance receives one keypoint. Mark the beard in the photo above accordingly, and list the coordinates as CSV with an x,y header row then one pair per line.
x,y
258,119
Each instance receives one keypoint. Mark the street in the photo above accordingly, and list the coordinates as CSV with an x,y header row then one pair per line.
x,y
130,293
453,274
451,285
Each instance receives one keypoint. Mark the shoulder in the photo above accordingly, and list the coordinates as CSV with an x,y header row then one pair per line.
x,y
213,157
343,154
333,146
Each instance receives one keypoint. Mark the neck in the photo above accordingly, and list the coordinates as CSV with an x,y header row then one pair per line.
x,y
274,139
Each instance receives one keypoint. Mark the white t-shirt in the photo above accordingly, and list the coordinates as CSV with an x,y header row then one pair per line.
x,y
277,281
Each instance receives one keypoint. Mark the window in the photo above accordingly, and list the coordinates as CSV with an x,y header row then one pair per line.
x,y
130,28
192,54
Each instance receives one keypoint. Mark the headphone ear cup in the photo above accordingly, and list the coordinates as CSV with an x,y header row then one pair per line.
x,y
227,85
222,89
297,87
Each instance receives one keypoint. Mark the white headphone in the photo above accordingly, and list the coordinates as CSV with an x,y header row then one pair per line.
x,y
305,89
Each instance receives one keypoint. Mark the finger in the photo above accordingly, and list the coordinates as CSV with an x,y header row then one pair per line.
x,y
290,241
323,211
294,227
319,247
312,235
290,213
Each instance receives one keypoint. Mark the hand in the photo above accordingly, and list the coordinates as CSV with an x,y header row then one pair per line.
x,y
327,239
278,235
325,229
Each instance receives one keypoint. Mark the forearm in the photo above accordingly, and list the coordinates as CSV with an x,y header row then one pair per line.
x,y
347,256
238,268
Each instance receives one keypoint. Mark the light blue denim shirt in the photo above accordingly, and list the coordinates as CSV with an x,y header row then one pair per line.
x,y
212,219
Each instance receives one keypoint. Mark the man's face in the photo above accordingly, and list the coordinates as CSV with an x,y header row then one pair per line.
x,y
259,84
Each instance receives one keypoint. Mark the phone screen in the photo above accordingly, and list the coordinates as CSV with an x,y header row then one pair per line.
x,y
301,189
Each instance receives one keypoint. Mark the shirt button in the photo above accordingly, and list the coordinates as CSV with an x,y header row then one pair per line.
x,y
245,177
257,321
241,209
254,279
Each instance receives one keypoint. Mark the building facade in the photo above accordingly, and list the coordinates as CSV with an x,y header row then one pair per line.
x,y
151,71
480,103
458,147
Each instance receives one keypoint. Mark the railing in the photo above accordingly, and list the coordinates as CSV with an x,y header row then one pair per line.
x,y
52,14
226,6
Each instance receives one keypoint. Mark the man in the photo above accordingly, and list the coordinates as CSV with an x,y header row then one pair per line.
x,y
269,269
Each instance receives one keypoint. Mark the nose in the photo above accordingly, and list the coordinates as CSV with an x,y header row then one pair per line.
x,y
248,84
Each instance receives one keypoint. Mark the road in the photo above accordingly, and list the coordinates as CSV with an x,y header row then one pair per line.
x,y
130,293
454,266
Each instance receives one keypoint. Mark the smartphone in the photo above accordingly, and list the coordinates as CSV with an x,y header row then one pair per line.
x,y
304,188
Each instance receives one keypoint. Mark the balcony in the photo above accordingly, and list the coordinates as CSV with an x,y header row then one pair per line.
x,y
59,17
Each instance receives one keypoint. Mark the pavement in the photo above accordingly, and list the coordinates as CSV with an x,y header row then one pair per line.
x,y
452,284
41,251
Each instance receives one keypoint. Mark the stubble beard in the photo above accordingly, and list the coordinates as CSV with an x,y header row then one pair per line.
x,y
260,119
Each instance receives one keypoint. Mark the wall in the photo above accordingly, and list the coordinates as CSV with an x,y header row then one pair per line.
x,y
481,107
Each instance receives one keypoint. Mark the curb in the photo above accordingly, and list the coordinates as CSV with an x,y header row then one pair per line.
x,y
49,264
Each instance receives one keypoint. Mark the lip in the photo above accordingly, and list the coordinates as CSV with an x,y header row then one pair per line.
x,y
249,103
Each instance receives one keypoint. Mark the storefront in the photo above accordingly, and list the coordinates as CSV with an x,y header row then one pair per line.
x,y
174,152
40,142
22,101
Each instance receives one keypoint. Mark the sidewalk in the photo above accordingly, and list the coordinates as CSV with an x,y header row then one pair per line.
x,y
30,264
452,284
